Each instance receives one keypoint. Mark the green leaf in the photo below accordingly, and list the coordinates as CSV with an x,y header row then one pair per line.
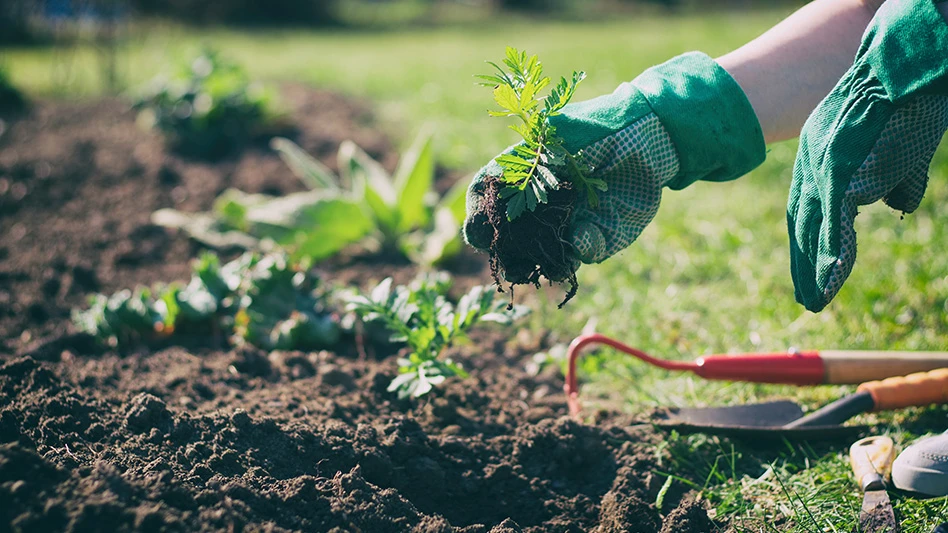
x,y
310,171
232,206
414,179
527,103
501,73
512,161
490,80
506,98
367,175
455,200
507,192
516,204
312,224
526,152
205,228
380,294
233,213
403,384
326,227
538,190
530,195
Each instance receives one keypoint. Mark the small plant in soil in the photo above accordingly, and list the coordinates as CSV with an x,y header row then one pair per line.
x,y
530,205
266,301
398,214
211,108
421,316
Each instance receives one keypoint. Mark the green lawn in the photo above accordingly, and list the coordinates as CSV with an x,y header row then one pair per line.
x,y
709,275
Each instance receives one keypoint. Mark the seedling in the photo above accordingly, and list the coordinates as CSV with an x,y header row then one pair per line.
x,y
540,164
530,206
421,316
266,301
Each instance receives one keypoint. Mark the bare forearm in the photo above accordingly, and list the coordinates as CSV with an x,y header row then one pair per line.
x,y
787,71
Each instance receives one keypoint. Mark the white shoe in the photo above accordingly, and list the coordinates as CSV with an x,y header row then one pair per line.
x,y
923,467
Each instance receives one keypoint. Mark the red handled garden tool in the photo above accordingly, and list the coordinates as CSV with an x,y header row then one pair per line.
x,y
927,384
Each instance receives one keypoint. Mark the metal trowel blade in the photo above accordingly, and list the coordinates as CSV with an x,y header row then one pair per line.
x,y
763,415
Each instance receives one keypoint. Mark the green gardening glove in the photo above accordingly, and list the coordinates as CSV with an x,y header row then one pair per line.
x,y
871,138
678,122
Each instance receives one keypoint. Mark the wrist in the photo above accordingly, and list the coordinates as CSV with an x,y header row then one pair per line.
x,y
707,115
905,47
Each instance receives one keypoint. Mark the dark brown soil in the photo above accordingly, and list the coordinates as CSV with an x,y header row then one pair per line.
x,y
202,439
533,245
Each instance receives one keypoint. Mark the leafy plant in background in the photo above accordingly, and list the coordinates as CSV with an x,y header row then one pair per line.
x,y
391,213
209,109
531,170
266,301
421,316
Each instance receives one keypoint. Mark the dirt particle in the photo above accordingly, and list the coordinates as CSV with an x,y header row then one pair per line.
x,y
689,517
334,376
251,361
507,526
533,245
145,412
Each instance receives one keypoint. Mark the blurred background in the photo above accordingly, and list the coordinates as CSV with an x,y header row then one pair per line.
x,y
414,58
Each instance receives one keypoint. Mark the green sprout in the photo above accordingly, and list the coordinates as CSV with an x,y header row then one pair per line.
x,y
531,170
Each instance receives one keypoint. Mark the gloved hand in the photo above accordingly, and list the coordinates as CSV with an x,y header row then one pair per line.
x,y
871,138
678,122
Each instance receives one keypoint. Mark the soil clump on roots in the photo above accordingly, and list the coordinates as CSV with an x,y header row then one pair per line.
x,y
533,245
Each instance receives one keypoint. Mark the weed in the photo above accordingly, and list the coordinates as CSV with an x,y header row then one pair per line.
x,y
540,164
539,177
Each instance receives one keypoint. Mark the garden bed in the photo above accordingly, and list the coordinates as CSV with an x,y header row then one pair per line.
x,y
189,438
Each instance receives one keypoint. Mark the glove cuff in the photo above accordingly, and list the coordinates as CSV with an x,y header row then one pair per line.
x,y
708,117
907,45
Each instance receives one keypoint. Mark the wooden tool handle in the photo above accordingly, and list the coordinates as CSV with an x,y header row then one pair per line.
x,y
852,367
914,390
871,459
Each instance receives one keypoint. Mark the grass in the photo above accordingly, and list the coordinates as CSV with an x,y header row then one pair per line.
x,y
710,275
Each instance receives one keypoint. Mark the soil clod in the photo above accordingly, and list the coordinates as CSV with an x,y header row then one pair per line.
x,y
533,245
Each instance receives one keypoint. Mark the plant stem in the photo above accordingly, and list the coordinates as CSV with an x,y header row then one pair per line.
x,y
533,169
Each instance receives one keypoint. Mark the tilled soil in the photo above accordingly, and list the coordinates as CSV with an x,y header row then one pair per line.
x,y
204,439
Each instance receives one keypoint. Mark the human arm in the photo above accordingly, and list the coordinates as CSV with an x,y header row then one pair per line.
x,y
783,74
792,66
